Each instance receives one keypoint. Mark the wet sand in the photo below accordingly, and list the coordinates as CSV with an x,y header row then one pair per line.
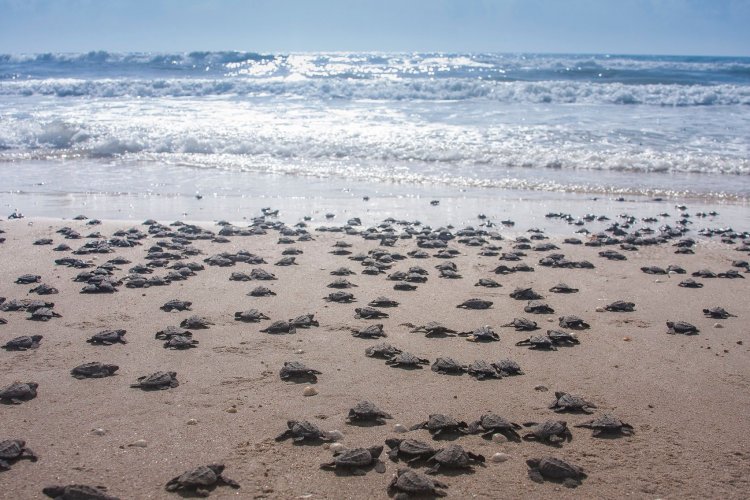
x,y
686,396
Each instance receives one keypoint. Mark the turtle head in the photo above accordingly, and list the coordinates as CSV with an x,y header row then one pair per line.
x,y
533,462
375,451
54,491
33,385
393,442
217,468
559,394
36,338
111,368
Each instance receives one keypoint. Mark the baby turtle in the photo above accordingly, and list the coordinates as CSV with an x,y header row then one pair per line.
x,y
488,282
475,304
250,316
93,369
540,342
620,306
481,334
287,261
573,322
365,411
176,305
342,271
554,469
448,366
17,392
412,450
302,430
27,279
682,327
537,307
384,351
718,313
607,424
704,273
260,274
78,492
563,288
522,325
156,381
179,342
357,460
195,323
341,297
407,360
341,283
370,332
298,372
507,367
304,321
439,424
261,291
434,328
490,424
383,302
172,331
44,290
108,337
553,432
369,313
525,294
404,287
454,457
408,483
201,480
280,327
43,314
23,343
239,276
568,402
560,338
482,370
12,450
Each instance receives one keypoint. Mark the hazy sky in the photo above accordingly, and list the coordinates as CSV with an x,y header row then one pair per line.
x,y
700,27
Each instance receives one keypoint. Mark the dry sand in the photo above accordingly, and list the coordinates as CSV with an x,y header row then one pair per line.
x,y
688,398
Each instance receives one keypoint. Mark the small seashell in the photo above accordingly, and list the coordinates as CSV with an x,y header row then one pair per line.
x,y
309,391
658,281
599,309
192,421
541,388
399,428
98,432
336,435
336,447
231,409
326,446
299,351
499,438
550,320
718,325
141,443
626,339
499,457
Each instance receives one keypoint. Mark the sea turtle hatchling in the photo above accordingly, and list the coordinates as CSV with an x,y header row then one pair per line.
x,y
404,287
573,322
538,342
280,327
156,381
17,392
481,334
176,305
357,460
607,424
12,450
340,297
538,307
366,411
382,302
490,424
407,360
453,457
448,366
408,483
296,371
201,480
488,282
304,321
172,331
369,313
78,492
561,338
260,274
250,316
563,288
681,327
434,328
108,337
570,403
438,424
382,350
93,369
411,450
522,325
525,294
507,367
27,279
302,430
552,432
718,313
620,306
195,322
369,332
482,370
475,304
43,314
178,342
261,291
23,343
341,283
342,271
44,289
554,469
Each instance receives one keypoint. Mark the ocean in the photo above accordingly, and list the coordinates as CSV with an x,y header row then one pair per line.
x,y
123,129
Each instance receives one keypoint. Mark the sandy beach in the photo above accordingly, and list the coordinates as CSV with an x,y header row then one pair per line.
x,y
686,396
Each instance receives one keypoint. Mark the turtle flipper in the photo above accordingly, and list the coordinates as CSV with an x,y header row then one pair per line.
x,y
536,476
379,466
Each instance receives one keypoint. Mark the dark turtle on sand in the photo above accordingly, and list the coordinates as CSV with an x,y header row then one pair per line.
x,y
620,306
302,430
108,337
570,403
341,297
522,325
25,305
563,288
357,460
554,469
382,302
537,307
481,334
280,327
305,321
475,304
341,283
482,370
298,372
731,274
172,331
250,316
704,273
43,314
718,313
365,411
682,327
653,270
17,392
560,338
487,282
195,322
23,343
201,480
103,286
411,450
507,367
369,313
448,366
438,424
260,274
342,271
407,360
27,279
370,332
176,305
404,287
44,290
490,424
525,294
287,261
78,492
156,381
383,350
607,424
178,342
690,283
93,369
408,483
239,276
553,432
261,291
434,328
12,450
453,457
540,342
572,322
